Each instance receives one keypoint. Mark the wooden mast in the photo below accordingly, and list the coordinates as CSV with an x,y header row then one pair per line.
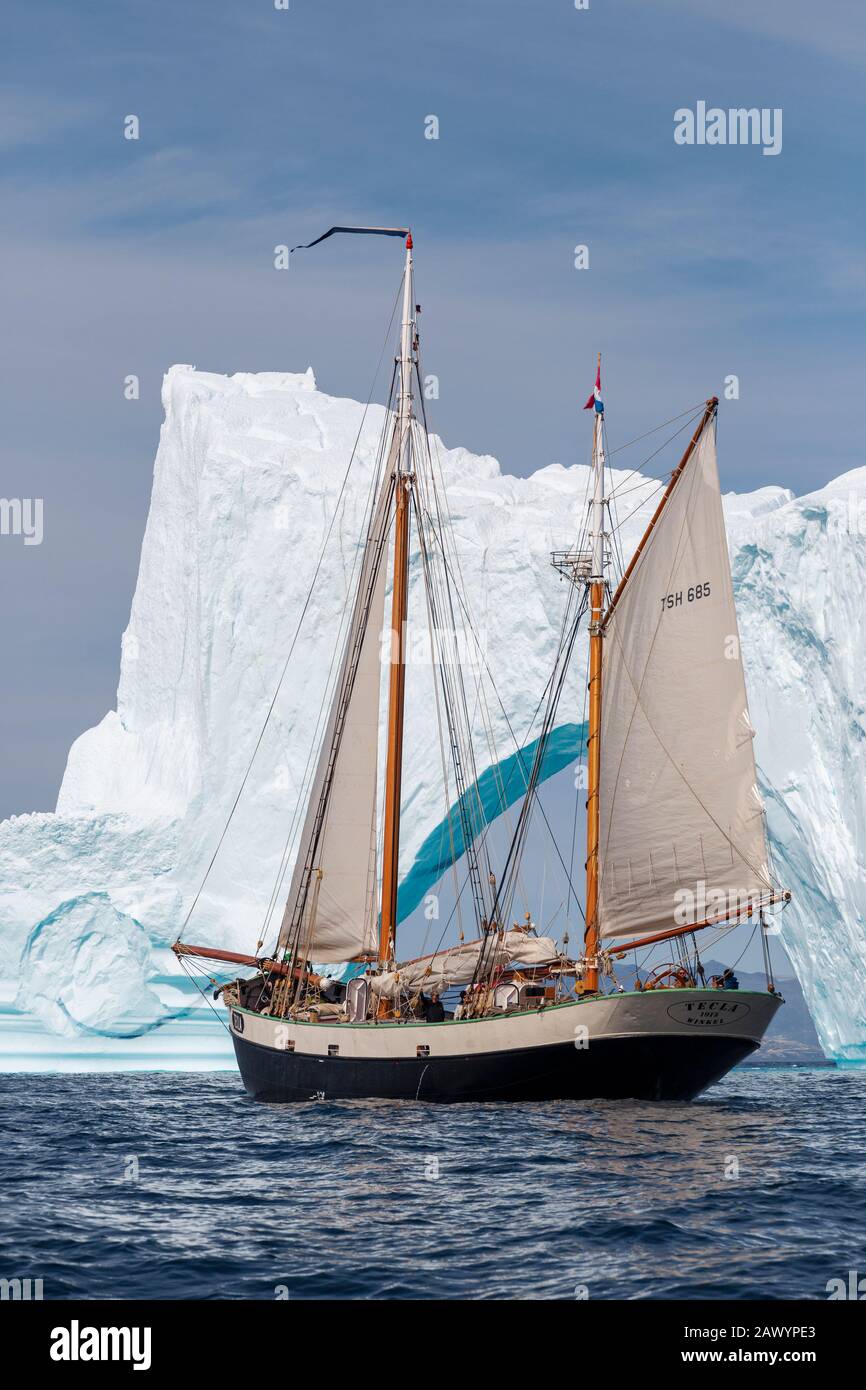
x,y
596,600
399,610
594,770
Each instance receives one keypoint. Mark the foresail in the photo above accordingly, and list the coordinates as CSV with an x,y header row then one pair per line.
x,y
682,832
331,907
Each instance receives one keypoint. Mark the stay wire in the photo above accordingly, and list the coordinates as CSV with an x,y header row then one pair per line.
x,y
300,622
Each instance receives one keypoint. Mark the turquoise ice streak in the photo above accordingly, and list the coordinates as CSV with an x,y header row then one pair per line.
x,y
496,789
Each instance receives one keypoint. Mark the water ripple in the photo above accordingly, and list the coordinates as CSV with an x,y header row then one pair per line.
x,y
178,1186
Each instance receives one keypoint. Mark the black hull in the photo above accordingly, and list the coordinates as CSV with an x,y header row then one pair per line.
x,y
660,1067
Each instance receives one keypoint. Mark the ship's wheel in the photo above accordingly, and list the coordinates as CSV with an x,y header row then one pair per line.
x,y
669,976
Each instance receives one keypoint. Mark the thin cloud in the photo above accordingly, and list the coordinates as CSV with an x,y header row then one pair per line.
x,y
30,119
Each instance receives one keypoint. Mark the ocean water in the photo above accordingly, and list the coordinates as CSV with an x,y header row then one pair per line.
x,y
178,1186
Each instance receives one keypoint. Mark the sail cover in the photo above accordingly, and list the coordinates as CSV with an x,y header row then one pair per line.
x,y
331,907
681,821
457,966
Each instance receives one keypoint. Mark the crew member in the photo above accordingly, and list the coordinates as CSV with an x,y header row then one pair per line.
x,y
435,1012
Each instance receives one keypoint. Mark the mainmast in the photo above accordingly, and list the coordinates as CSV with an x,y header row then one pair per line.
x,y
399,611
596,601
587,568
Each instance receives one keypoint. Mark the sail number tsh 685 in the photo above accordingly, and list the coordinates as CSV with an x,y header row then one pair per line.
x,y
686,595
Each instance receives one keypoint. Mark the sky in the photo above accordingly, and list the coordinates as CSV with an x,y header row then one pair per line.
x,y
260,127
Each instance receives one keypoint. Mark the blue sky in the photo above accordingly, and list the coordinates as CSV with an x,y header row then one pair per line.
x,y
260,127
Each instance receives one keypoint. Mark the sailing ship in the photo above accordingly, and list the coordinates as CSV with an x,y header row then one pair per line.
x,y
676,841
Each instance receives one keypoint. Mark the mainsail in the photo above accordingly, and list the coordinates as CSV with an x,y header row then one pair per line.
x,y
331,907
682,834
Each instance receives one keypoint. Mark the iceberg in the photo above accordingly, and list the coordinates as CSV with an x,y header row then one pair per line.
x,y
247,483
85,968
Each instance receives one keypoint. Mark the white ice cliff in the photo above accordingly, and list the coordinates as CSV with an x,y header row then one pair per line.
x,y
246,482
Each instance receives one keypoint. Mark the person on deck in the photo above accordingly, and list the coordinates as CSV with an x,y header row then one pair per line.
x,y
435,1012
729,980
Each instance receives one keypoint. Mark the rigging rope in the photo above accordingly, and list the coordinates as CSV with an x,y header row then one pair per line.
x,y
328,690
303,614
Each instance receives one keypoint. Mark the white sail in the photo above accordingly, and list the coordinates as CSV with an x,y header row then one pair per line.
x,y
682,834
333,892
457,965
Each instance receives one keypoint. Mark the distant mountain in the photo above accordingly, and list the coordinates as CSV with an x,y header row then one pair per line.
x,y
791,1039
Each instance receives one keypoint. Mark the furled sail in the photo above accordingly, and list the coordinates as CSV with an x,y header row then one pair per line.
x,y
682,834
331,907
457,966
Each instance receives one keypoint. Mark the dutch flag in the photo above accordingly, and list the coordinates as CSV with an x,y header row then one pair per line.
x,y
595,398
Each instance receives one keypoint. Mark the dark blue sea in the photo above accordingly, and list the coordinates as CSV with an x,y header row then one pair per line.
x,y
178,1186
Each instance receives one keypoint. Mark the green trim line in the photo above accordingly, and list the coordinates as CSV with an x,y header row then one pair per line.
x,y
420,1023
497,788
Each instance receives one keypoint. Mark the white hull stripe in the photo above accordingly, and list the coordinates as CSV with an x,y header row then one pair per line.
x,y
670,1013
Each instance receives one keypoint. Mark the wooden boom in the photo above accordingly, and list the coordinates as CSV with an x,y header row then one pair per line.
x,y
268,967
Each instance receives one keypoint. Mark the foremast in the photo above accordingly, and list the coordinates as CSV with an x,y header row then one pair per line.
x,y
589,569
399,612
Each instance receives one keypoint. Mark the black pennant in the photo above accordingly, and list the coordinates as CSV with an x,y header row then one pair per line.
x,y
359,231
